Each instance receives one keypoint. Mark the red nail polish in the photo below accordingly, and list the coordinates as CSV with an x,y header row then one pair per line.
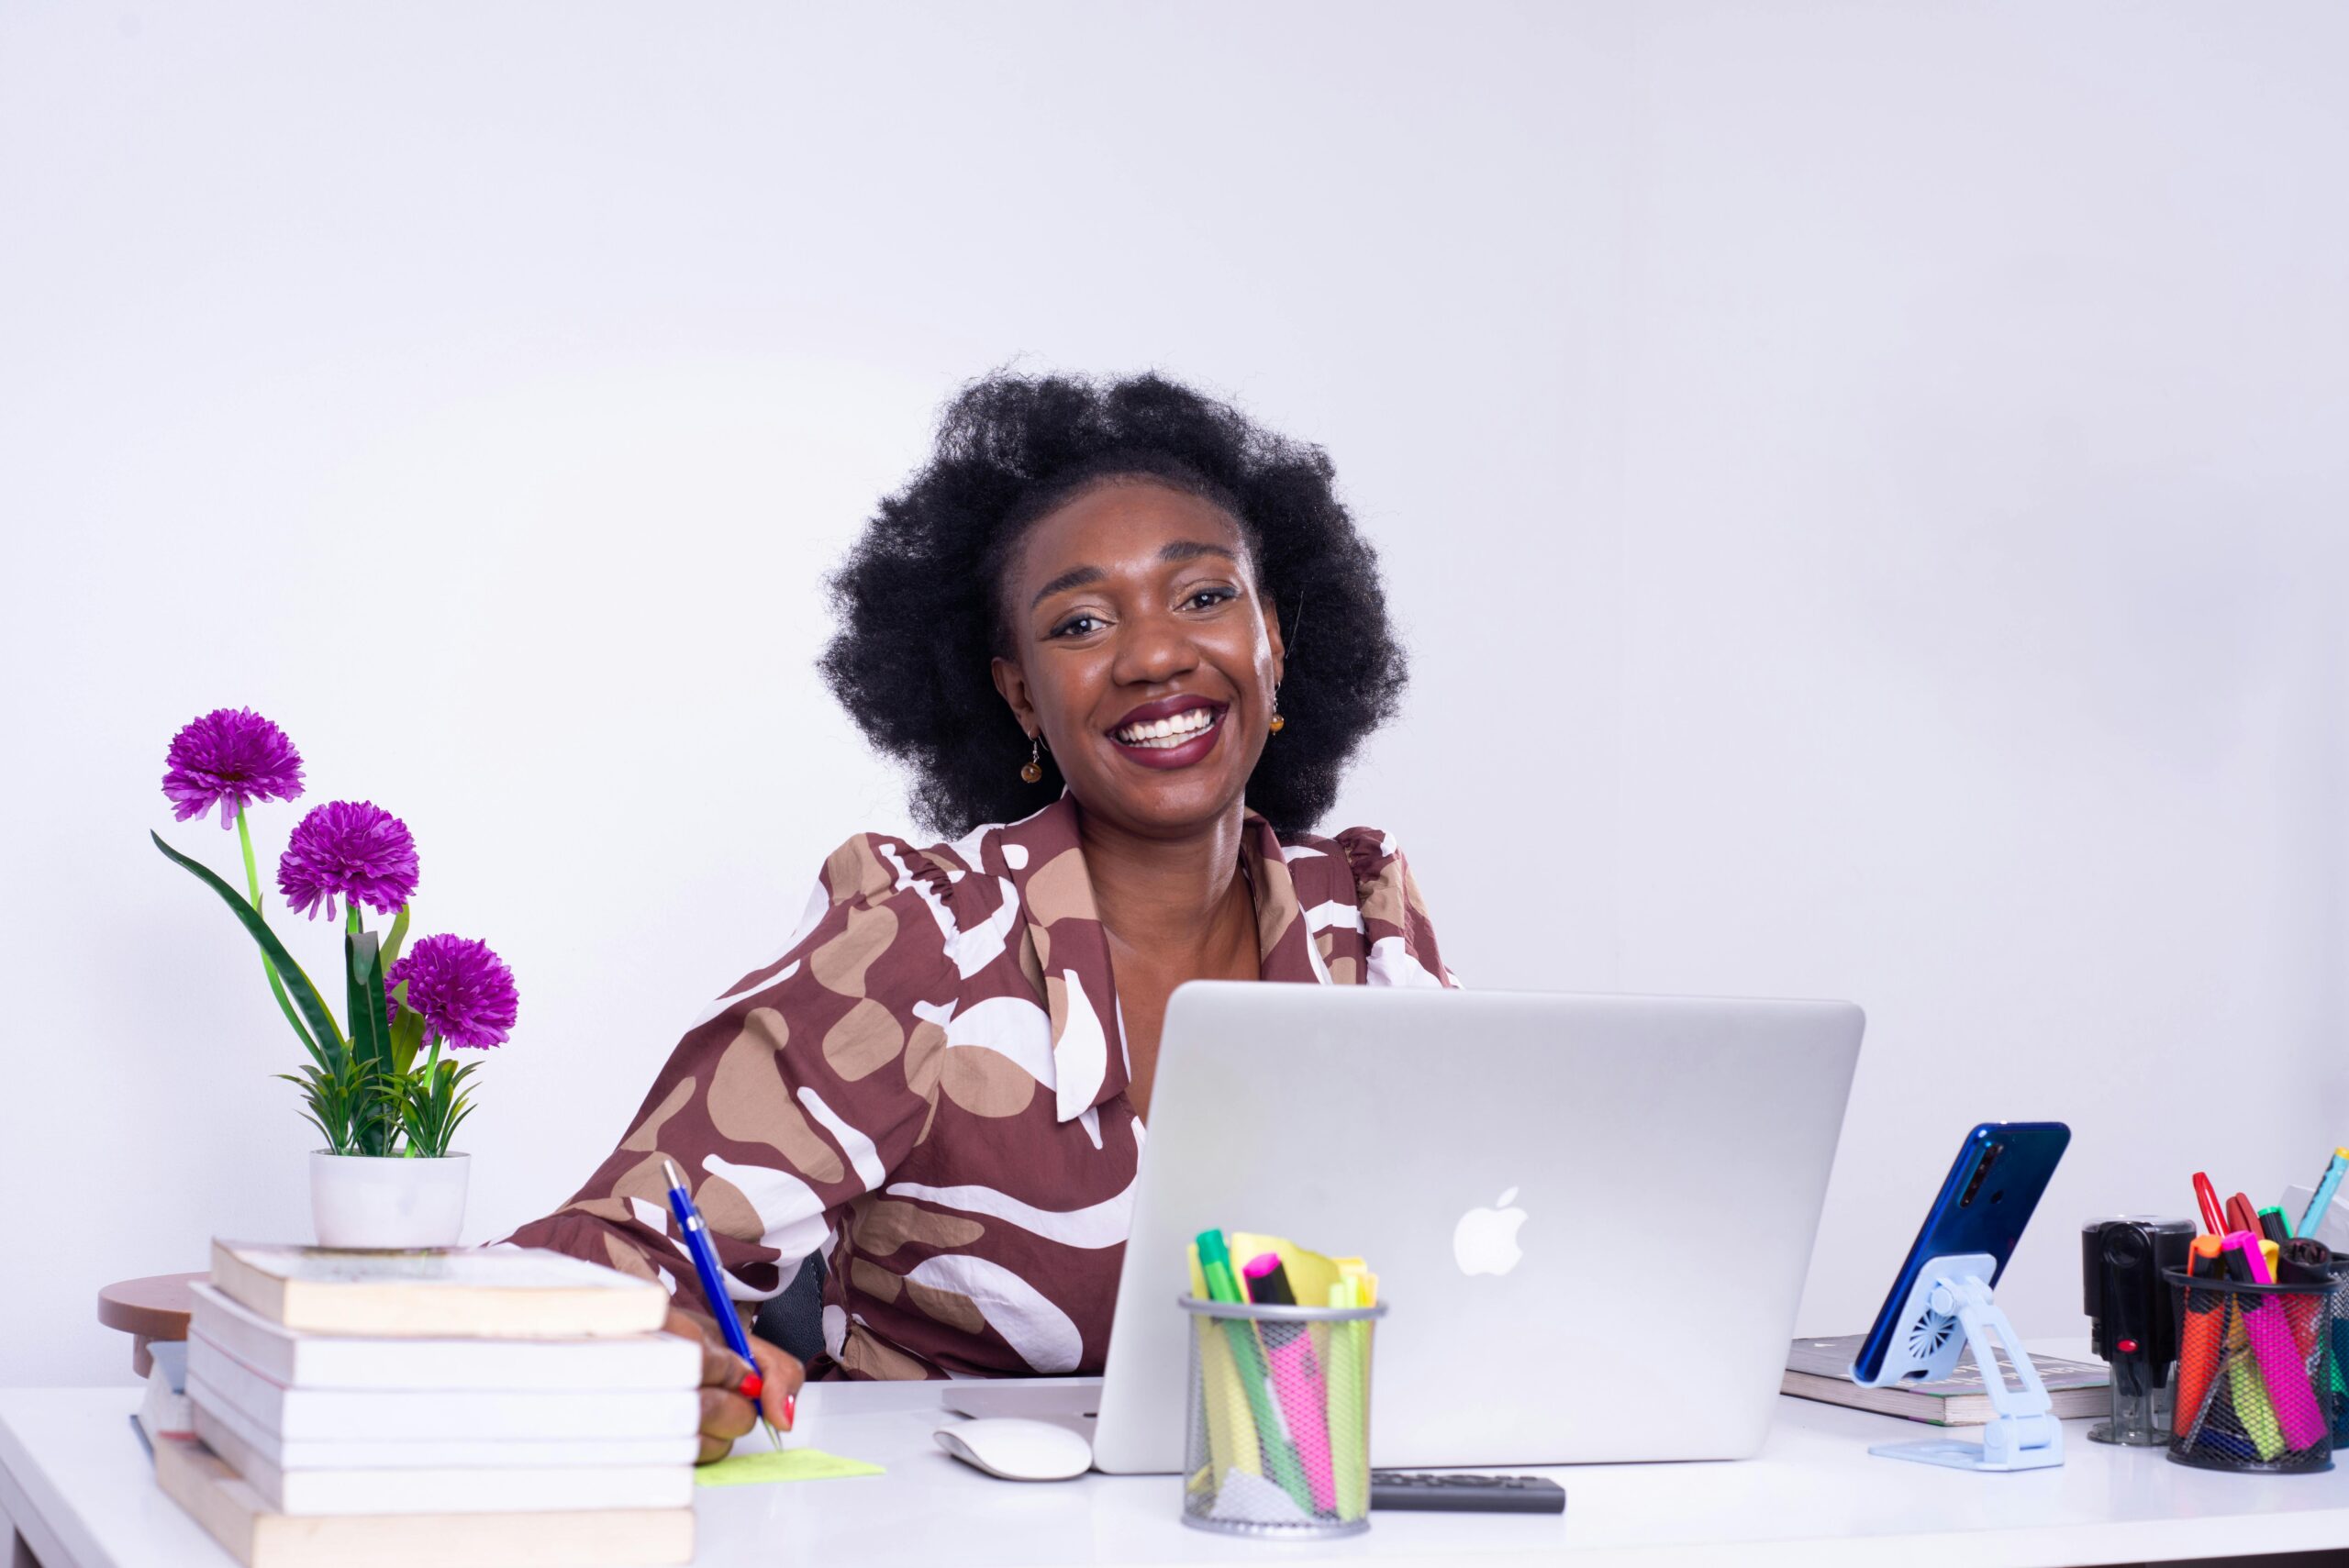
x,y
790,1410
751,1385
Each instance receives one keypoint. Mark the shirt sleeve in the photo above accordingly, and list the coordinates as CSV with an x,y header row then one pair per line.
x,y
796,1091
1395,927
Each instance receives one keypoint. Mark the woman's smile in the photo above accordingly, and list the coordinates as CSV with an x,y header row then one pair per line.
x,y
1172,732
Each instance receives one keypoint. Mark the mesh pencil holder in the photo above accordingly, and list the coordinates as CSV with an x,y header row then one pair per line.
x,y
2259,1374
1278,1430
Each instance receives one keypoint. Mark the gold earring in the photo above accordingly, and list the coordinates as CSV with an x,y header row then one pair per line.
x,y
1278,722
1032,770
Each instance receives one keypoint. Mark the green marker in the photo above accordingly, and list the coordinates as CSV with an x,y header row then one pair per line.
x,y
1280,1453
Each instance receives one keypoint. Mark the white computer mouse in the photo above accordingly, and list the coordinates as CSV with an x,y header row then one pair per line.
x,y
1017,1450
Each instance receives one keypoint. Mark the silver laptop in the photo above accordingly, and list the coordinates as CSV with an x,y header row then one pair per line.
x,y
1591,1217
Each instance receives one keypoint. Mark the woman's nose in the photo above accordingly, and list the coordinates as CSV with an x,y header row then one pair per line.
x,y
1154,648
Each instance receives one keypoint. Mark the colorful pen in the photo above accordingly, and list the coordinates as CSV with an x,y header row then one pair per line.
x,y
1298,1378
2240,1216
2321,1199
713,1287
2264,1324
2273,1226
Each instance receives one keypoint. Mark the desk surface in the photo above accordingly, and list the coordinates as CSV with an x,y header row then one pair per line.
x,y
80,1489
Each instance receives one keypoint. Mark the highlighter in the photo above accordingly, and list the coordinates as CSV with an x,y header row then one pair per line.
x,y
1231,1431
2201,1335
1349,1445
1297,1379
2246,1390
2264,1324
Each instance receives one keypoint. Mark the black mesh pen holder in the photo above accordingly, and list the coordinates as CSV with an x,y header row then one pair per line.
x,y
2259,1374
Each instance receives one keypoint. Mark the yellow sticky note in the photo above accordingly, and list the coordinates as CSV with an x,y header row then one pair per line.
x,y
791,1464
1309,1273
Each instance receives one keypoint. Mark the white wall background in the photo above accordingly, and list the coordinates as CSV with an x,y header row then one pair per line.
x,y
1865,485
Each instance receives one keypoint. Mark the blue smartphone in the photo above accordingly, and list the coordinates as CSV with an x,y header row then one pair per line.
x,y
1984,1205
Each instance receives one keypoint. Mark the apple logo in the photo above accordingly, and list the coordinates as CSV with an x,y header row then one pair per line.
x,y
1485,1242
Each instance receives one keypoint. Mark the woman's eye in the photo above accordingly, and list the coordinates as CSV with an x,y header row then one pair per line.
x,y
1077,626
1207,597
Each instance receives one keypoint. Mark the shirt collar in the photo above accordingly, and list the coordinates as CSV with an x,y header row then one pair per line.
x,y
1046,863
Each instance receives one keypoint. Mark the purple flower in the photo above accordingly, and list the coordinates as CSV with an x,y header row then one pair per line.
x,y
230,757
464,991
353,848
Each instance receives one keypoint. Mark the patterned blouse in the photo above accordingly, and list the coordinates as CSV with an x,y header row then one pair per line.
x,y
928,1086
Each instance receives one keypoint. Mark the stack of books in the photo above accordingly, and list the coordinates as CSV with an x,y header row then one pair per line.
x,y
1820,1370
501,1406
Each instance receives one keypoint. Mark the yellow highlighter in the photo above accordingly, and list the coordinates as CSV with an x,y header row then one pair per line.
x,y
1349,1414
1232,1430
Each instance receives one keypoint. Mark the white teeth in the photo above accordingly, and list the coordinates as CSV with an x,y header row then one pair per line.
x,y
1160,734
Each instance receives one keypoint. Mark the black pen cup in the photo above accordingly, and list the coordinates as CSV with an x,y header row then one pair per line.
x,y
2259,1379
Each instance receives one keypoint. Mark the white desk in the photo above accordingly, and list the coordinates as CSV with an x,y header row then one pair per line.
x,y
80,1489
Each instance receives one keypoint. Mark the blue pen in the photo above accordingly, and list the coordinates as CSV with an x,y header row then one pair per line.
x,y
2324,1191
713,1285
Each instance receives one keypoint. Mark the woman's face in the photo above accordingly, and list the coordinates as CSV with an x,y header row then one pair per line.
x,y
1144,654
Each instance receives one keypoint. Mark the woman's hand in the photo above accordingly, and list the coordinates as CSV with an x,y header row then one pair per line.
x,y
725,1413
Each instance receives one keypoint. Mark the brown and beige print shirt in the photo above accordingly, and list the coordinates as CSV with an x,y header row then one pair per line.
x,y
928,1086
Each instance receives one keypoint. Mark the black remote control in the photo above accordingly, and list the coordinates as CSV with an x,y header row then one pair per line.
x,y
1448,1492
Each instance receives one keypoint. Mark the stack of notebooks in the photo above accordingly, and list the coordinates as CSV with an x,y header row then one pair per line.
x,y
503,1406
1820,1370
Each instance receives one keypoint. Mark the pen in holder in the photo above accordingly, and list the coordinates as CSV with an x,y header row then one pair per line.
x,y
1950,1311
1278,1421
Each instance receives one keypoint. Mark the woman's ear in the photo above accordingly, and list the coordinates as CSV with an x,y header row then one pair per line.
x,y
1012,683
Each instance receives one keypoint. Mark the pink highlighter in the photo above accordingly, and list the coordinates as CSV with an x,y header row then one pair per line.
x,y
2266,1324
1297,1379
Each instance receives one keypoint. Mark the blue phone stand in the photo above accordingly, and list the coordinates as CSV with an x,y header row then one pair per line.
x,y
1950,1310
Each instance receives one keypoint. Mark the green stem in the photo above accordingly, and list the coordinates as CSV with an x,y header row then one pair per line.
x,y
276,986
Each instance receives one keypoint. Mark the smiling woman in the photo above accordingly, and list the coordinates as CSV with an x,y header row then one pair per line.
x,y
1126,642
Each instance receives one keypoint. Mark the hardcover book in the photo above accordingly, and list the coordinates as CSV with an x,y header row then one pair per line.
x,y
194,1476
511,1293
1820,1369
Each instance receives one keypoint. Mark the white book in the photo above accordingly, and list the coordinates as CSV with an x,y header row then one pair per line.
x,y
216,1378
165,1411
503,1293
361,1451
448,1490
193,1476
318,1361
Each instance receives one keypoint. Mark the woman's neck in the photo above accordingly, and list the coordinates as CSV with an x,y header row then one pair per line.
x,y
1164,894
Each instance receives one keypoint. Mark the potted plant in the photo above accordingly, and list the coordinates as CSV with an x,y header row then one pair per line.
x,y
387,1176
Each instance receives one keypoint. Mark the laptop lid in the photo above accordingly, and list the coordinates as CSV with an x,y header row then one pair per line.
x,y
1591,1216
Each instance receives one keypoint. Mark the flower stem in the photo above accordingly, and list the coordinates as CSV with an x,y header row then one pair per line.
x,y
276,986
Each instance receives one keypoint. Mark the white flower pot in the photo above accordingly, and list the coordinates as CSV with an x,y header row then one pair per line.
x,y
365,1200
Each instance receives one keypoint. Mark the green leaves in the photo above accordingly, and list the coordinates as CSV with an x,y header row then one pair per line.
x,y
407,1031
393,943
435,1105
337,1101
325,1041
370,1043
